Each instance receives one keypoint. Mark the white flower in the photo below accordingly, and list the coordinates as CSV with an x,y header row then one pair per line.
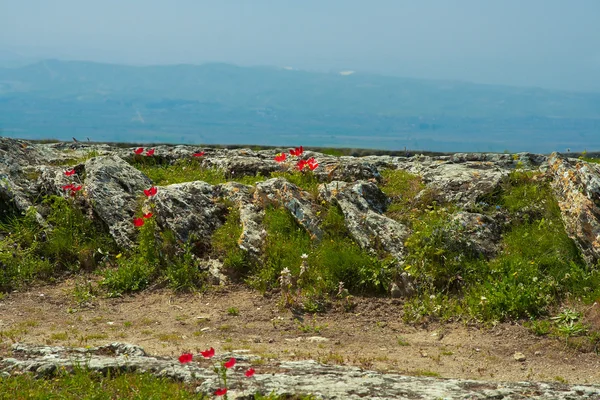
x,y
304,256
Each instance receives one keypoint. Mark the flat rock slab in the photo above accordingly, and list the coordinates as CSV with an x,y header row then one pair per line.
x,y
283,378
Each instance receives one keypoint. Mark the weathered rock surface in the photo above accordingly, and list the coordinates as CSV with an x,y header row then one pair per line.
x,y
284,378
480,233
576,186
114,189
188,209
278,191
363,204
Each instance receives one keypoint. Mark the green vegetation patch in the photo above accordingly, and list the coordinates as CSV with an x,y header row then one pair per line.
x,y
69,243
225,244
88,385
158,256
314,269
538,264
188,170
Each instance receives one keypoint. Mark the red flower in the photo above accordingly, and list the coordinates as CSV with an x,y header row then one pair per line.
x,y
68,187
301,164
150,152
199,154
220,392
297,151
230,363
250,372
148,215
313,166
312,163
138,222
185,357
139,150
208,353
280,157
76,188
70,172
150,192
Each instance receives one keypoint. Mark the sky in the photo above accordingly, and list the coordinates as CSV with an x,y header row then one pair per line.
x,y
544,43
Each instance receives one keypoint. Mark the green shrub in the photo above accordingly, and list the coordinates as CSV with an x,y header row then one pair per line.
x,y
538,264
68,243
334,259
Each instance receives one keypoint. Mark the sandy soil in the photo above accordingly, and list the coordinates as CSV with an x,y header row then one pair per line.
x,y
372,336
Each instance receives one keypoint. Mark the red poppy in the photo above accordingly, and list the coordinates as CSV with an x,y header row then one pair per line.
x,y
313,166
301,164
68,187
230,363
280,157
76,188
138,222
250,372
150,152
185,358
297,151
148,215
199,154
139,150
150,192
220,391
70,172
208,353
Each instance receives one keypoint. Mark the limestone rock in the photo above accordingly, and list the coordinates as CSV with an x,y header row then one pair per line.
x,y
188,209
114,188
576,185
362,204
280,192
285,378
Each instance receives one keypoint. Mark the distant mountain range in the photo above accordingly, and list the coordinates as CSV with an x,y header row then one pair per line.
x,y
226,104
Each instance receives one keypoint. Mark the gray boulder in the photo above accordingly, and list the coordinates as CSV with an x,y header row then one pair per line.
x,y
188,209
363,204
115,190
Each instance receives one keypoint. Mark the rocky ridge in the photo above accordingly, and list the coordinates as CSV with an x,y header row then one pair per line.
x,y
284,378
112,188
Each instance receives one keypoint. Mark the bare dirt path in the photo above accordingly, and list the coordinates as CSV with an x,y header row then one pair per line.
x,y
372,336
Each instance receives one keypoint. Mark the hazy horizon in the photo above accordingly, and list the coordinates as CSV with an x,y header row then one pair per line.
x,y
550,44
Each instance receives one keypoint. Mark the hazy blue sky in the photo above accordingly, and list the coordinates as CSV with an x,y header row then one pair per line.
x,y
547,43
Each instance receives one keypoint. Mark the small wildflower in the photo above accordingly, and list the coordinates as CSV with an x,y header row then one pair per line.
x,y
280,157
185,358
250,372
208,353
150,152
148,215
221,392
151,192
70,172
138,222
229,363
285,278
199,154
304,256
139,150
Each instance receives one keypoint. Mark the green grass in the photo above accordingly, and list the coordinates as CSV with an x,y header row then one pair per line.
x,y
188,170
402,188
83,385
537,267
225,245
334,259
158,256
68,243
